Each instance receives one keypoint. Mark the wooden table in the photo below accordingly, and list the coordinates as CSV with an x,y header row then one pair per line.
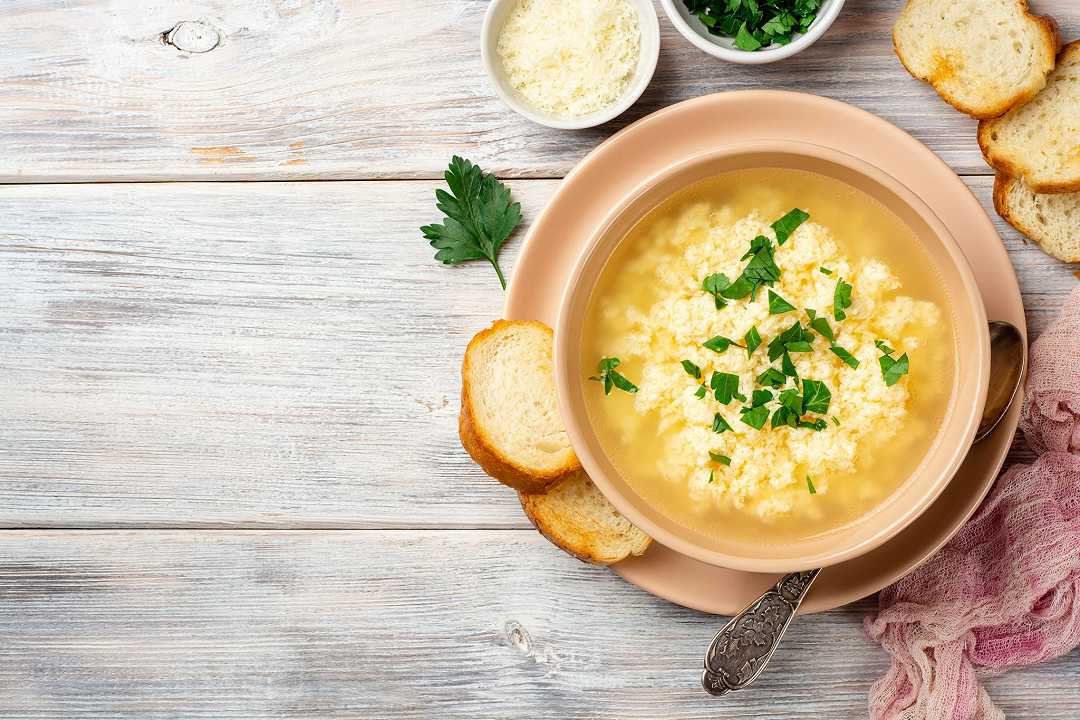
x,y
230,479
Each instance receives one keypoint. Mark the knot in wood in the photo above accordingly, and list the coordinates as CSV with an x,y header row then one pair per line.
x,y
518,637
193,36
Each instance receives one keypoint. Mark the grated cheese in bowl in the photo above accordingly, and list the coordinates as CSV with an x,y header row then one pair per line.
x,y
571,58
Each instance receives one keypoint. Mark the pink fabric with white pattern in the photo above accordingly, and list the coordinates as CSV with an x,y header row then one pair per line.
x,y
1005,592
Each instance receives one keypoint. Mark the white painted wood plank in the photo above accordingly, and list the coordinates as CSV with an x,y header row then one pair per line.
x,y
268,354
452,624
372,89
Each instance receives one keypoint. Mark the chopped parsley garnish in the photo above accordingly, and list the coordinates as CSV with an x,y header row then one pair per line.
x,y
761,270
691,369
718,458
893,369
745,40
701,392
816,397
773,378
715,284
810,486
760,397
778,305
610,378
479,217
719,424
841,300
883,347
836,421
755,417
755,23
712,477
795,339
790,222
788,367
844,355
753,340
824,270
720,343
725,387
822,327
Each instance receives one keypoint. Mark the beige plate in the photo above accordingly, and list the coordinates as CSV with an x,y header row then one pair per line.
x,y
616,167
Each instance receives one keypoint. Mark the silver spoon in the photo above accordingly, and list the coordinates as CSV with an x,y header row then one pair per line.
x,y
740,651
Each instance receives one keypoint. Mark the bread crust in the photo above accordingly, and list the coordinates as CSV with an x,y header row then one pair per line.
x,y
582,549
478,443
1023,95
1003,185
1004,165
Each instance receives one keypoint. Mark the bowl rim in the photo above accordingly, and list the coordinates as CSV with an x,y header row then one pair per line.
x,y
578,425
819,27
648,25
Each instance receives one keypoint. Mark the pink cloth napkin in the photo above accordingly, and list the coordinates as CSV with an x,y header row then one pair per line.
x,y
1005,592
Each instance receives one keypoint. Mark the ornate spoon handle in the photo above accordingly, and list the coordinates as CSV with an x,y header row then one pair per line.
x,y
741,650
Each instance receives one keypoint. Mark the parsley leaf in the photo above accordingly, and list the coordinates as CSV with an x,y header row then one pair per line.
x,y
719,343
883,347
753,340
479,217
755,417
816,397
844,355
691,369
715,284
610,378
778,305
825,271
788,367
701,392
773,378
744,40
821,325
841,300
717,457
794,339
719,424
760,397
786,225
810,486
893,370
725,387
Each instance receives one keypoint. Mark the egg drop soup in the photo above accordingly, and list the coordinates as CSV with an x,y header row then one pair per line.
x,y
773,354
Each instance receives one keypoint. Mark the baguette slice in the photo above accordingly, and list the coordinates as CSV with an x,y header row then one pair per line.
x,y
576,517
509,420
1040,142
983,57
1053,221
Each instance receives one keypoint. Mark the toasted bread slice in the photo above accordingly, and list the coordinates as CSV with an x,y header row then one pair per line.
x,y
1039,142
579,519
510,421
1050,220
983,57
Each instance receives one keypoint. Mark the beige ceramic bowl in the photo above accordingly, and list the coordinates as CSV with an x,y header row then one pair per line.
x,y
962,413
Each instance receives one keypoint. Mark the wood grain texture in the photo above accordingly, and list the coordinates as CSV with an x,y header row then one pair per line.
x,y
403,624
374,89
257,354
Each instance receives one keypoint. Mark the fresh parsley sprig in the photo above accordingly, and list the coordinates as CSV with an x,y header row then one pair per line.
x,y
479,217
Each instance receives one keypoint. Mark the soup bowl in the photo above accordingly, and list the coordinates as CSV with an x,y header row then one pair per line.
x,y
967,387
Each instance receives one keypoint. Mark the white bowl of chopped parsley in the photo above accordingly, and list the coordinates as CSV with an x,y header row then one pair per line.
x,y
752,32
